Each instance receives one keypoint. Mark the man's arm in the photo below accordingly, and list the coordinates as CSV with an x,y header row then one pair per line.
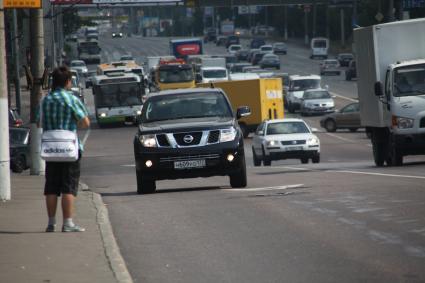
x,y
84,123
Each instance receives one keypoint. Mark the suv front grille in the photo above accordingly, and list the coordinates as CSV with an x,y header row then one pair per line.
x,y
190,157
293,142
162,140
188,139
214,136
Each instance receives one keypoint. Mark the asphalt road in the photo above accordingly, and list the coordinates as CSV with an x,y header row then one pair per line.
x,y
342,220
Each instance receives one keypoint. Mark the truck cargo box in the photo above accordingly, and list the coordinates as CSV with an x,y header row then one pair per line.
x,y
377,47
263,96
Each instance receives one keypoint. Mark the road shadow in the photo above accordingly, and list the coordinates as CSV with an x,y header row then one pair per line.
x,y
161,191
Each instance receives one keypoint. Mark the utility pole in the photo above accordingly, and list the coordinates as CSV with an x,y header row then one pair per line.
x,y
286,22
16,61
306,25
4,116
314,18
37,68
390,10
342,27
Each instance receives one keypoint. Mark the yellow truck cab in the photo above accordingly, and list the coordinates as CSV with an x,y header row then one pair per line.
x,y
173,74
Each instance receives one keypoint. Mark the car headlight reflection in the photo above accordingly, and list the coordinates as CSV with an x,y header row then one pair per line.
x,y
227,135
403,123
148,140
102,115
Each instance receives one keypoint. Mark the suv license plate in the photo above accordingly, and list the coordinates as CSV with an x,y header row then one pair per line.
x,y
189,164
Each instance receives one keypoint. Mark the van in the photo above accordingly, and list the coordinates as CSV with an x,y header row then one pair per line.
x,y
319,47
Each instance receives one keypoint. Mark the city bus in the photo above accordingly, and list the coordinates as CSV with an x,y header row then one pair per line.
x,y
117,98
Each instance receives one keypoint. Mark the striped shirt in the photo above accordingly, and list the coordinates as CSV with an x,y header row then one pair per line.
x,y
61,111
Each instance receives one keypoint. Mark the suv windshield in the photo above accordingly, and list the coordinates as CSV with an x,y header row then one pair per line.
x,y
409,81
287,128
304,84
180,106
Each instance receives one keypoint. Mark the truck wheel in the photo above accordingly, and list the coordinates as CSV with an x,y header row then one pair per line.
x,y
144,185
395,158
257,161
330,125
304,160
379,153
316,158
239,179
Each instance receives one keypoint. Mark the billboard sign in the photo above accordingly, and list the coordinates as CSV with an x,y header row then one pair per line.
x,y
34,4
159,2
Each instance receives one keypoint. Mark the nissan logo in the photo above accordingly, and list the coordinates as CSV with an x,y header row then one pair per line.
x,y
188,138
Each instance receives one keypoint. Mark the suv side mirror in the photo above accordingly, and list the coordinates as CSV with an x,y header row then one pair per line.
x,y
378,89
243,111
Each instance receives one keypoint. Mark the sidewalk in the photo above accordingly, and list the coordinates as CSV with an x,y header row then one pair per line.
x,y
28,254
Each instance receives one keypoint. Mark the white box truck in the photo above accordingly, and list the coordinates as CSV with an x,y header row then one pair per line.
x,y
391,88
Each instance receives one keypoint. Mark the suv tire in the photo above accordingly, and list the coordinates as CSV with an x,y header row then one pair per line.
x,y
239,179
304,160
257,161
316,159
330,125
144,185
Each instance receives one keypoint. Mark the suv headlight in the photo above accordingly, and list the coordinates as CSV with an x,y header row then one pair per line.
x,y
312,141
148,140
227,135
272,143
402,123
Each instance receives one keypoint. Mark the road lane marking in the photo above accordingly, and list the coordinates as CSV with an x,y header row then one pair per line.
x,y
265,188
128,165
377,174
341,138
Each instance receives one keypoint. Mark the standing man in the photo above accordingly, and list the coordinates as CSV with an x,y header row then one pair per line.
x,y
62,110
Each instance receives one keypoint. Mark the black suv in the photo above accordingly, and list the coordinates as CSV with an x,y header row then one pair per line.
x,y
189,133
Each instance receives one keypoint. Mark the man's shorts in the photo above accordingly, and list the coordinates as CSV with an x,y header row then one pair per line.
x,y
62,178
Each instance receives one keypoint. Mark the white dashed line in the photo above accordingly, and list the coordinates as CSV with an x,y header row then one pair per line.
x,y
377,174
265,188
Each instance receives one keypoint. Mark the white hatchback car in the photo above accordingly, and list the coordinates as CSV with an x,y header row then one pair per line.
x,y
284,139
234,48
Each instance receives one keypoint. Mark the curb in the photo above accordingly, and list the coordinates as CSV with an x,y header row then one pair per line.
x,y
112,251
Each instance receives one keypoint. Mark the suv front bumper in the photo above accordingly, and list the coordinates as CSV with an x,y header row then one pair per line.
x,y
163,160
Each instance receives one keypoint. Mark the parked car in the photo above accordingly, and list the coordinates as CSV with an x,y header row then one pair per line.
x,y
344,59
329,66
221,40
267,48
346,118
234,48
317,101
80,66
242,55
19,148
250,69
284,139
280,48
270,61
232,39
230,60
15,119
351,72
256,43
